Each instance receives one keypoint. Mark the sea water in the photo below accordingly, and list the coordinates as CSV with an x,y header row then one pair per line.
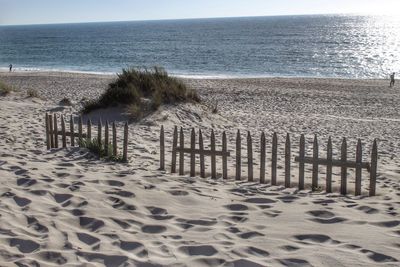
x,y
295,46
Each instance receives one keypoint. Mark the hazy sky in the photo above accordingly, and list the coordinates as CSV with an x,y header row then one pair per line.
x,y
60,11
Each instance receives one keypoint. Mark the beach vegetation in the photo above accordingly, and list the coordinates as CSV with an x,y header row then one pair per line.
x,y
32,93
136,87
65,102
5,89
98,148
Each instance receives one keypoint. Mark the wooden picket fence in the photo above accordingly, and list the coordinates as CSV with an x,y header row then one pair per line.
x,y
56,137
301,159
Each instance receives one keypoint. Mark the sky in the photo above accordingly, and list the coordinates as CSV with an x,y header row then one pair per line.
x,y
17,12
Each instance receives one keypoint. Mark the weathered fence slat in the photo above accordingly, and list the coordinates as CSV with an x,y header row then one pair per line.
x,y
287,161
274,158
162,149
99,132
181,153
52,134
373,169
47,131
56,131
343,180
71,127
80,130
301,162
224,157
262,159
192,154
329,167
238,156
115,146
174,145
213,157
64,137
315,164
106,138
125,148
358,168
250,177
201,152
89,129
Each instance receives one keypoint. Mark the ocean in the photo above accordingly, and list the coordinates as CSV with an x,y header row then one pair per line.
x,y
285,46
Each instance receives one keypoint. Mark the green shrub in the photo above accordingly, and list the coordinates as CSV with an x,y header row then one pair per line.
x,y
5,89
134,111
98,148
32,93
133,84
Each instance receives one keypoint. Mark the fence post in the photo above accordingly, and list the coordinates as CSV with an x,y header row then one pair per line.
x,y
106,138
51,131
238,156
262,159
125,149
47,131
224,157
64,136
80,130
329,167
301,162
192,154
358,168
373,169
343,182
315,164
181,154
250,157
287,161
213,157
99,128
55,131
174,145
89,130
201,146
115,145
71,126
162,149
274,158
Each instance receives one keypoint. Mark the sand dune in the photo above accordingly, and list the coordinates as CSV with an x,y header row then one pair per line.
x,y
65,207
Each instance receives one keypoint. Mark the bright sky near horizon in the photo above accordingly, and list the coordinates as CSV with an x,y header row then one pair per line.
x,y
14,12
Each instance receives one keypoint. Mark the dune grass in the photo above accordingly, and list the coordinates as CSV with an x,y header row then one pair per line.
x,y
135,84
5,89
98,149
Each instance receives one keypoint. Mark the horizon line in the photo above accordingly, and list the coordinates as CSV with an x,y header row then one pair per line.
x,y
197,18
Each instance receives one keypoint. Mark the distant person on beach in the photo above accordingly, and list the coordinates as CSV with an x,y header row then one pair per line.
x,y
392,79
10,67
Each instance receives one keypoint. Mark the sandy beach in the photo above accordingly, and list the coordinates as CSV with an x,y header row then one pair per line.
x,y
63,207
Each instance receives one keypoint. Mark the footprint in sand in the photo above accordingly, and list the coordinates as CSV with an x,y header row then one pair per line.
x,y
153,229
24,246
387,224
159,214
87,239
202,250
315,238
325,217
91,224
52,257
260,201
378,257
136,247
108,260
21,201
34,223
26,182
294,262
236,207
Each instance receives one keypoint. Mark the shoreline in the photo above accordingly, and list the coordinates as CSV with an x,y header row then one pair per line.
x,y
4,72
